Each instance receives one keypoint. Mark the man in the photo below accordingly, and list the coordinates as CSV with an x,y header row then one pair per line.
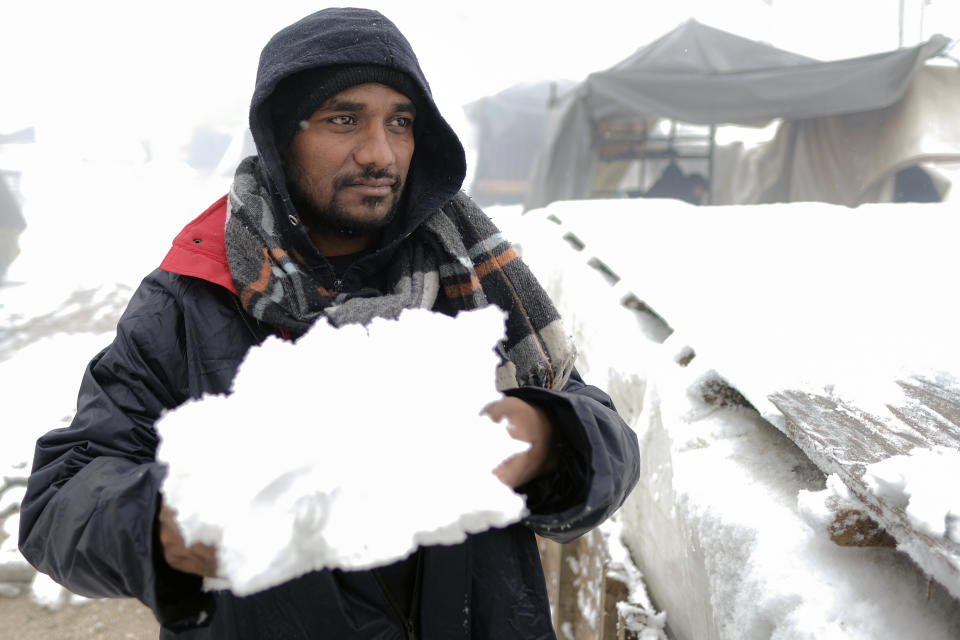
x,y
351,210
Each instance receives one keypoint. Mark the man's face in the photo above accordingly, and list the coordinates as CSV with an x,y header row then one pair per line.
x,y
347,168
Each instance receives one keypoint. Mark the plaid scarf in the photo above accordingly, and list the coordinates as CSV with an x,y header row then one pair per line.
x,y
457,253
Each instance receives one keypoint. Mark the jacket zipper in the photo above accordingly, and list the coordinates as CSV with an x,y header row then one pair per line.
x,y
406,621
243,316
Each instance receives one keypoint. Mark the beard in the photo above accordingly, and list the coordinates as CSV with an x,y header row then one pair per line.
x,y
331,216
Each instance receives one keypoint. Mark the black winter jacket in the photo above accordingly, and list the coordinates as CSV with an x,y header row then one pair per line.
x,y
88,517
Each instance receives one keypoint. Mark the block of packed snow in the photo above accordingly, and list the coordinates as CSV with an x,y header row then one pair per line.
x,y
925,481
345,450
727,552
899,458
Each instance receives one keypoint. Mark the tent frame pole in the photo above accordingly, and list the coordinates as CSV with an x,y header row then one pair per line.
x,y
713,147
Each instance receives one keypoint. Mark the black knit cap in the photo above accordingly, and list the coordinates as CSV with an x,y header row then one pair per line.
x,y
297,97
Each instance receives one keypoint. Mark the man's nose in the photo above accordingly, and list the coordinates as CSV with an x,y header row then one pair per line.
x,y
373,147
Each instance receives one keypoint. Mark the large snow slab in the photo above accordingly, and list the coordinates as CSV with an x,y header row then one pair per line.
x,y
725,549
793,296
714,522
913,497
345,450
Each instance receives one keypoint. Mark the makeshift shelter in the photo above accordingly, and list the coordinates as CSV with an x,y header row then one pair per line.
x,y
700,75
508,129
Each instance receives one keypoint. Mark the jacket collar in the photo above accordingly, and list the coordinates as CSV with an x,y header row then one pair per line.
x,y
199,250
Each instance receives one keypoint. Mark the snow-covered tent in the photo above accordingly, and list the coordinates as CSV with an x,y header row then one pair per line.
x,y
704,76
508,128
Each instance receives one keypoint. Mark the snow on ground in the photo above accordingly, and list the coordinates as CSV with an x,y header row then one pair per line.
x,y
356,480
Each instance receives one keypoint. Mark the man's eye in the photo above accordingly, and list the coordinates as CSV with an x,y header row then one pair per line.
x,y
402,121
341,120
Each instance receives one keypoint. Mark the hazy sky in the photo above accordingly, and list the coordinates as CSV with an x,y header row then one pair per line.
x,y
130,70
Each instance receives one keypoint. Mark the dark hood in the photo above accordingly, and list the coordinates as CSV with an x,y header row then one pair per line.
x,y
356,36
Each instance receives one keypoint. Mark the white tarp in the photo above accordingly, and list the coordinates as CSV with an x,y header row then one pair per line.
x,y
849,159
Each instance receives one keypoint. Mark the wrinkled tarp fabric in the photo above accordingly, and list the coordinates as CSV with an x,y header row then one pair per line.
x,y
848,159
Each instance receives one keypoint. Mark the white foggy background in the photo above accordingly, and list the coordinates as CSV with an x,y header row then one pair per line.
x,y
116,90
97,78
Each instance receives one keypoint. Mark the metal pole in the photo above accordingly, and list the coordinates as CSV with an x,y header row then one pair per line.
x,y
713,148
923,15
900,44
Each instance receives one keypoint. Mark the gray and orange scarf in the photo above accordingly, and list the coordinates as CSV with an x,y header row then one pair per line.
x,y
457,252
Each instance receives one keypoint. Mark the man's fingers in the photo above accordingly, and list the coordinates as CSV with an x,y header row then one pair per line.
x,y
495,410
201,559
528,423
198,558
511,471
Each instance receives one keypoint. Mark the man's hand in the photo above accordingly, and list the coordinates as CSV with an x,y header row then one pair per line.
x,y
198,558
529,424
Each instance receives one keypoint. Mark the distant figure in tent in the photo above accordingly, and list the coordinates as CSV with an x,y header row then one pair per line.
x,y
914,184
352,209
674,183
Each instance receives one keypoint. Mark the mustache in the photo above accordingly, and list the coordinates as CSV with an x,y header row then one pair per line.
x,y
369,173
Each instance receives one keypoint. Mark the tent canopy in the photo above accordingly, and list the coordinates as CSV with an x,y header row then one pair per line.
x,y
702,75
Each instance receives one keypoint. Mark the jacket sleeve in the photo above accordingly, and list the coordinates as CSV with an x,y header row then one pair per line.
x,y
89,512
600,461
